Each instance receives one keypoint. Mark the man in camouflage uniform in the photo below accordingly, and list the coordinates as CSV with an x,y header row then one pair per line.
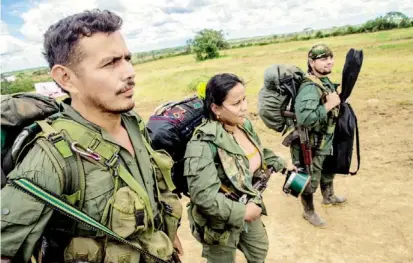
x,y
89,59
316,109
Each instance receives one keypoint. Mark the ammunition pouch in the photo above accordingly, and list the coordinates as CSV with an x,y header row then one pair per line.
x,y
206,231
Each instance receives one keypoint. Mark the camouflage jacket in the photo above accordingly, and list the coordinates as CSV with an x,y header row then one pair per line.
x,y
24,219
311,113
206,169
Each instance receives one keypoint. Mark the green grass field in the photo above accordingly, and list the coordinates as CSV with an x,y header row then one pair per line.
x,y
167,79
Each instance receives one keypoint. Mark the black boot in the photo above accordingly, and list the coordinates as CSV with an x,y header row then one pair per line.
x,y
329,198
309,214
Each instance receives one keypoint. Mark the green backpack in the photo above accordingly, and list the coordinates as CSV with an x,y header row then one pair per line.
x,y
281,85
24,122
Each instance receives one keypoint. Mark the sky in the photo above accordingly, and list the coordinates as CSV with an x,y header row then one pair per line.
x,y
155,24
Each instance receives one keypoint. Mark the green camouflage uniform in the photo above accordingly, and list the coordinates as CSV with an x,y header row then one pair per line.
x,y
213,157
311,113
24,220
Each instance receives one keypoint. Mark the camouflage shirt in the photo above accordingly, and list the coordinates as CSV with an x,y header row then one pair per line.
x,y
311,113
24,219
213,157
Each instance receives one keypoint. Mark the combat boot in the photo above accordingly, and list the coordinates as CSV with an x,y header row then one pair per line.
x,y
329,198
309,214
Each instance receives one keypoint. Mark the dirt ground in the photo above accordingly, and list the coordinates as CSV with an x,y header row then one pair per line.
x,y
376,224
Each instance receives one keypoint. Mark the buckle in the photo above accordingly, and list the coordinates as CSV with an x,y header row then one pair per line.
x,y
157,221
113,160
55,137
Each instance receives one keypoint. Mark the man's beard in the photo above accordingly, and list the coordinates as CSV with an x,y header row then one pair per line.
x,y
106,107
324,73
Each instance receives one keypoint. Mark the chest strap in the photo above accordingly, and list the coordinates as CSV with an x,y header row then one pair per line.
x,y
90,144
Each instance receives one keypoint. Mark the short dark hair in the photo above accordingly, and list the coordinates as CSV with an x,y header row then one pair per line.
x,y
61,39
217,90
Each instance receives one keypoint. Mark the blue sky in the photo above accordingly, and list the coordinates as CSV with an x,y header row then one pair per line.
x,y
10,14
153,24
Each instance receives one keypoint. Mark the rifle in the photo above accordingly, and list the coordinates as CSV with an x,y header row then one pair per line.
x,y
304,142
260,185
306,148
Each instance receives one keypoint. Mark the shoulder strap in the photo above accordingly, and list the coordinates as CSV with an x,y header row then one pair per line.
x,y
314,80
357,144
68,165
55,203
90,144
161,158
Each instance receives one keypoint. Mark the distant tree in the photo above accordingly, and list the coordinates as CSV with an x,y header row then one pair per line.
x,y
395,17
389,21
20,75
319,34
39,72
405,23
308,31
350,30
207,44
188,47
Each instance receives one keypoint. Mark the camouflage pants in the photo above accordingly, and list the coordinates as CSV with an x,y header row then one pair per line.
x,y
318,175
253,244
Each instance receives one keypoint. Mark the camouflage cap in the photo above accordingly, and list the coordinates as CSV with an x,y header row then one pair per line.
x,y
320,51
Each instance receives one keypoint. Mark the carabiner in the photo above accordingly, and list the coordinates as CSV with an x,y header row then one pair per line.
x,y
89,153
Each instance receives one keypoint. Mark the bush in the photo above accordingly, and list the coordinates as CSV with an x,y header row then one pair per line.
x,y
405,23
207,44
19,85
319,34
350,30
337,32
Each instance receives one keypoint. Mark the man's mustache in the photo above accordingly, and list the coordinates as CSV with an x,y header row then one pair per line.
x,y
129,85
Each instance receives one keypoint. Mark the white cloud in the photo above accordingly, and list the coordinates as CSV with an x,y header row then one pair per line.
x,y
3,28
152,24
9,44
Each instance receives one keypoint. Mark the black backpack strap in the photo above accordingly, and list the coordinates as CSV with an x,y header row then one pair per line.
x,y
358,148
3,179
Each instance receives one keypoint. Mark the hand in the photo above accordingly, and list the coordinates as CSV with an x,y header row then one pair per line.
x,y
332,100
292,167
252,212
5,259
178,246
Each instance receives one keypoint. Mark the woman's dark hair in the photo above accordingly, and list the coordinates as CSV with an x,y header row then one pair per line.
x,y
217,90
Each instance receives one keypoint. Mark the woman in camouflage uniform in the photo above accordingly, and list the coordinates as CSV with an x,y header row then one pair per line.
x,y
222,162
